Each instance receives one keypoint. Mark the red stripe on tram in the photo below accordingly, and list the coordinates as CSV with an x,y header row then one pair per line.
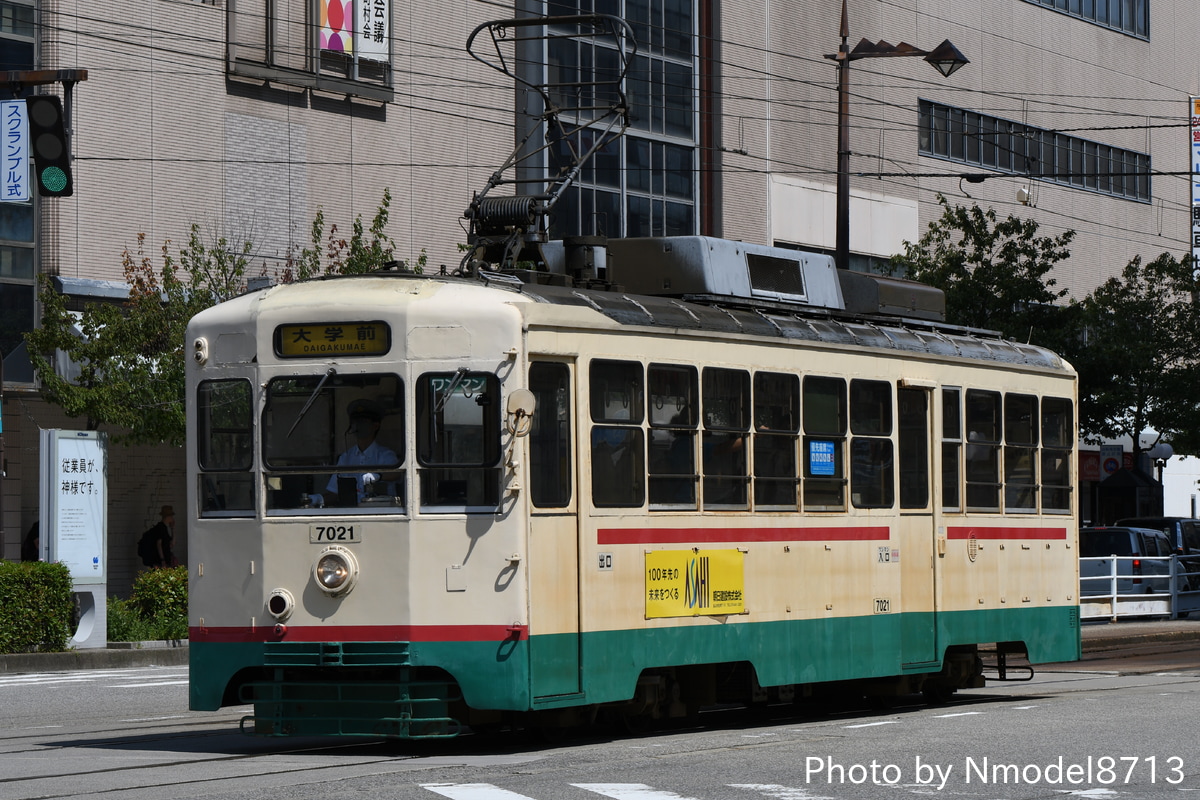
x,y
1005,533
359,633
707,535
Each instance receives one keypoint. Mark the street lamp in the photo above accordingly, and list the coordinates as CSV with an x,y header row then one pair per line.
x,y
945,58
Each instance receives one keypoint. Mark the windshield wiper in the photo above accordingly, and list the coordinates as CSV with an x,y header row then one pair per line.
x,y
312,397
459,376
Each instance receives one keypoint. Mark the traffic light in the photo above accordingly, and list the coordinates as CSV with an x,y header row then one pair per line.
x,y
51,150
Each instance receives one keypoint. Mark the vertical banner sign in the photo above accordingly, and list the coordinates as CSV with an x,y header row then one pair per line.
x,y
337,32
14,151
74,502
373,24
1195,160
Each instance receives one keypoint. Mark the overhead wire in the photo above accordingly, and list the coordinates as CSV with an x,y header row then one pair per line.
x,y
184,57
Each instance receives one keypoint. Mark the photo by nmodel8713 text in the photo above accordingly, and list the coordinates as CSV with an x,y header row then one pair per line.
x,y
637,478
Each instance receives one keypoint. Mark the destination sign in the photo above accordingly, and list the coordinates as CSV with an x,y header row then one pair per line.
x,y
323,339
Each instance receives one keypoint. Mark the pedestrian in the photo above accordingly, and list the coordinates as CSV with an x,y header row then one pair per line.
x,y
155,545
31,546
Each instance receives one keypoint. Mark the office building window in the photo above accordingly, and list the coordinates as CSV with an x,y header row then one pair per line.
x,y
1127,16
642,184
346,48
1000,145
17,268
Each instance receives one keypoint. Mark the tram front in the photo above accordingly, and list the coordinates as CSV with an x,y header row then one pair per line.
x,y
352,564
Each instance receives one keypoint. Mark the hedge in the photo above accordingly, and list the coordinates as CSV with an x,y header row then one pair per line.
x,y
37,605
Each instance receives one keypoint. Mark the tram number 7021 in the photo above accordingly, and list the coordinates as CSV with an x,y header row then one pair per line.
x,y
883,605
320,534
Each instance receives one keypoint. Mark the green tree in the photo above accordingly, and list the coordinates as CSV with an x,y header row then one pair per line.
x,y
130,356
367,249
1139,356
993,271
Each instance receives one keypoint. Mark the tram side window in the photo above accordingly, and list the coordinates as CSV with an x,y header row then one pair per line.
x,y
618,443
776,429
824,413
672,411
726,407
550,437
225,447
871,459
1058,440
913,421
458,439
983,450
951,449
1020,452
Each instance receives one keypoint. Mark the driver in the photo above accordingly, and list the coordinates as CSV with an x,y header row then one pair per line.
x,y
366,417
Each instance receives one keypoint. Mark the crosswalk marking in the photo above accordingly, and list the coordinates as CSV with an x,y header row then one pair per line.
x,y
617,791
629,791
777,792
472,791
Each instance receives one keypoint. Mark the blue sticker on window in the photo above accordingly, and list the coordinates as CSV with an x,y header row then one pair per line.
x,y
820,459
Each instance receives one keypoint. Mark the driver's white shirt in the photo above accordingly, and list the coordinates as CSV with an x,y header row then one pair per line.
x,y
375,455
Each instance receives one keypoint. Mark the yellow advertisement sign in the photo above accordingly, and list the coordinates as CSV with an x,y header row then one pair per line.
x,y
318,340
692,583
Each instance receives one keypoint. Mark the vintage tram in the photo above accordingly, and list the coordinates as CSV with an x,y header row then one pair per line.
x,y
695,471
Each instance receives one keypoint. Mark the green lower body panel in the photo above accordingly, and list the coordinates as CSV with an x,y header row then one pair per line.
x,y
817,651
350,687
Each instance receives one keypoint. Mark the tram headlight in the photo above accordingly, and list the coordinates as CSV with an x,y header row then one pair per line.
x,y
335,570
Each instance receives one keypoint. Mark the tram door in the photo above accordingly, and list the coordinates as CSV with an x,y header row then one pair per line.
x,y
918,563
553,534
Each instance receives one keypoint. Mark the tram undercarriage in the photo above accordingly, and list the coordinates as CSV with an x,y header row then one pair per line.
x,y
425,703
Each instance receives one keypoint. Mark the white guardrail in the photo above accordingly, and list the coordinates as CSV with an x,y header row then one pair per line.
x,y
1136,586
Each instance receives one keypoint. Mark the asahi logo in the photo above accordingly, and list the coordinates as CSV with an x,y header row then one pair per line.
x,y
698,592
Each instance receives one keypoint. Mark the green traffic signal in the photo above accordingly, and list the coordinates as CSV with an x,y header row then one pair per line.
x,y
49,144
53,179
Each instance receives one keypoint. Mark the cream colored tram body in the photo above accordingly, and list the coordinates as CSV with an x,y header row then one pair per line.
x,y
730,475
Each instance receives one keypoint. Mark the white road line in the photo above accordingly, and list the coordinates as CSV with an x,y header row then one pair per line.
x,y
959,714
629,791
472,791
873,724
141,685
156,719
42,681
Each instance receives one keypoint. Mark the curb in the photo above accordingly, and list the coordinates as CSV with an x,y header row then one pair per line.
x,y
126,654
1100,643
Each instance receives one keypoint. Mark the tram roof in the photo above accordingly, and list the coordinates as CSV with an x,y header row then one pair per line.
x,y
779,320
728,315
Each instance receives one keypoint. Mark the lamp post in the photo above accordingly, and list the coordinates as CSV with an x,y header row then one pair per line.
x,y
945,58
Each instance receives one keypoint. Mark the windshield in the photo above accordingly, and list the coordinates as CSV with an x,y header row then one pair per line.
x,y
1100,543
332,440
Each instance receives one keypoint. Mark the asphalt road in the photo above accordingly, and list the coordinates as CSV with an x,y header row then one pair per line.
x,y
1117,724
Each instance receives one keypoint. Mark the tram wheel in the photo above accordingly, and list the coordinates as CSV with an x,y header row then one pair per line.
x,y
937,693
